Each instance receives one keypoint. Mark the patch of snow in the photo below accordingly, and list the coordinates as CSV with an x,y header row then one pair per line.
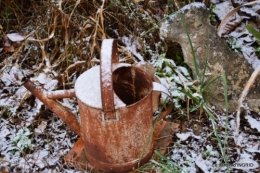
x,y
183,70
203,164
46,80
185,159
249,11
38,158
253,147
184,136
176,79
67,103
20,92
88,89
246,162
12,76
253,122
222,9
197,95
256,7
232,124
161,88
194,4
15,37
52,160
4,132
249,54
168,69
132,47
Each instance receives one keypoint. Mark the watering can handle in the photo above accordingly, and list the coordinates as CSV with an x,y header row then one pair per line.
x,y
109,55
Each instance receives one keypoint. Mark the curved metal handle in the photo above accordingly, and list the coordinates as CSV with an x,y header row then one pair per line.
x,y
109,55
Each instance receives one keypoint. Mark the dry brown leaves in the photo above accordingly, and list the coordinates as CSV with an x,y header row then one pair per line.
x,y
232,19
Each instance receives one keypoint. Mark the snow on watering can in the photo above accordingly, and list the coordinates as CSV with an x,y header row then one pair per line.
x,y
116,105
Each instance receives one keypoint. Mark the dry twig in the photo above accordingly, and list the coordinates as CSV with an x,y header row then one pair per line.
x,y
242,98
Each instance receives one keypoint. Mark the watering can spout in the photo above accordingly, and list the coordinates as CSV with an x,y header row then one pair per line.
x,y
64,113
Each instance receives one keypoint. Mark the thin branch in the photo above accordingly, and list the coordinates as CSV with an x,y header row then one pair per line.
x,y
243,96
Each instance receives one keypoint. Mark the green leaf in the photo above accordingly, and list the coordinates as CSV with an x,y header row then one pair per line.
x,y
192,48
253,31
160,155
209,83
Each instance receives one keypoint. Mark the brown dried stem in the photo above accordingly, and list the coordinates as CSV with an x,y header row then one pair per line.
x,y
243,96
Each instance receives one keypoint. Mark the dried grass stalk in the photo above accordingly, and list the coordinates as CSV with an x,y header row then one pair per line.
x,y
243,96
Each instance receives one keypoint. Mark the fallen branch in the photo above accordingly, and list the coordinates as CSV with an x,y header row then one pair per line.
x,y
242,98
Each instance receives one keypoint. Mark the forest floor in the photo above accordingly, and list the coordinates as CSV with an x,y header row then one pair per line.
x,y
53,42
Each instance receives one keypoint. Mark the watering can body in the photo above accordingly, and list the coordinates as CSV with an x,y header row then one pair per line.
x,y
116,103
116,143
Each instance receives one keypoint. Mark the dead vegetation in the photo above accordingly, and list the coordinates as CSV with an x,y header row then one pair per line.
x,y
65,36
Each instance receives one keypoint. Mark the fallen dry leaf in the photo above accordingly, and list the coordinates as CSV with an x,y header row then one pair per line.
x,y
40,129
227,24
8,47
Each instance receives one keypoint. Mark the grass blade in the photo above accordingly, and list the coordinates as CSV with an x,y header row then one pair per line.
x,y
206,63
253,31
208,84
192,49
217,136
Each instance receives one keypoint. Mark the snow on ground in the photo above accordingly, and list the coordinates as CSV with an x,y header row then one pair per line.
x,y
43,148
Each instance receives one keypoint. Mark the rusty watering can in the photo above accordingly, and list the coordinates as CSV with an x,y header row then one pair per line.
x,y
116,103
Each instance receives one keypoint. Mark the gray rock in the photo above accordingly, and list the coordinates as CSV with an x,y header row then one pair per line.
x,y
221,59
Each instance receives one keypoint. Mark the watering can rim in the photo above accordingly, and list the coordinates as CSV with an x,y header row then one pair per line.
x,y
109,62
94,72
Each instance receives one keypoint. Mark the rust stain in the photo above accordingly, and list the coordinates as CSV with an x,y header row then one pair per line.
x,y
132,86
116,145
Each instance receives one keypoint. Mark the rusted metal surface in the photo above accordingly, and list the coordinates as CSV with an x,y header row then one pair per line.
x,y
156,95
64,113
116,146
59,94
109,54
76,156
116,143
167,111
162,140
150,71
131,84
1,171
